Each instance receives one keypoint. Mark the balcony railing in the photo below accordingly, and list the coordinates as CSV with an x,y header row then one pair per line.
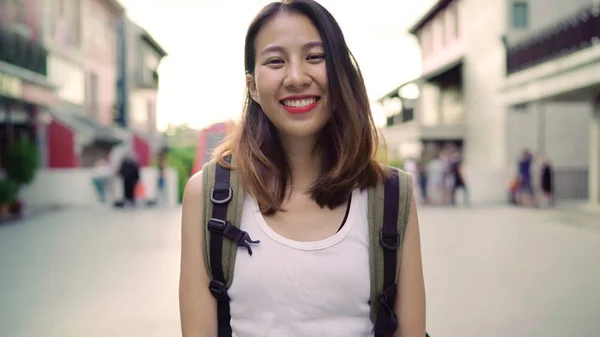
x,y
147,79
17,50
577,32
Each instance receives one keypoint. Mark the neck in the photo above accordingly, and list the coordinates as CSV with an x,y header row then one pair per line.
x,y
305,161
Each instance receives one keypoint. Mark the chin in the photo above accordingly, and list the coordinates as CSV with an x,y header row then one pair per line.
x,y
301,131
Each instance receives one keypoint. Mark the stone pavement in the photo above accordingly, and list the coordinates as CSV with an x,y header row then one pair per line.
x,y
493,272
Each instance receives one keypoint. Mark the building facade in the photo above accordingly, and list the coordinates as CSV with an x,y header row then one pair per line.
x,y
464,67
26,94
553,76
80,64
139,57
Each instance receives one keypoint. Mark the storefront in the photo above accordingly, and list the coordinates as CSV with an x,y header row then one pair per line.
x,y
22,102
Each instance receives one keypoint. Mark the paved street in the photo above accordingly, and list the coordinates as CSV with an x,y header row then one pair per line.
x,y
493,272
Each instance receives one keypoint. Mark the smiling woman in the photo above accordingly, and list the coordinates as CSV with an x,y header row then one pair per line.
x,y
300,176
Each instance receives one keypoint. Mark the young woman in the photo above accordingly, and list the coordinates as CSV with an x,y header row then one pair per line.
x,y
305,155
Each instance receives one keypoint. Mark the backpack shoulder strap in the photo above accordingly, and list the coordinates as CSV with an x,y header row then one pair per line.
x,y
389,208
222,212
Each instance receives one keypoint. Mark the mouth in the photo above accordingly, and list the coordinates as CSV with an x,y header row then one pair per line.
x,y
300,105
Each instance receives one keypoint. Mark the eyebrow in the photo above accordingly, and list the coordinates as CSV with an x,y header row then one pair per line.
x,y
308,45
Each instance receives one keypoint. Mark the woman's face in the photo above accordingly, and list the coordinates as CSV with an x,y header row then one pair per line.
x,y
290,77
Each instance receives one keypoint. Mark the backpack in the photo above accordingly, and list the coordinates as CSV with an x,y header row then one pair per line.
x,y
389,207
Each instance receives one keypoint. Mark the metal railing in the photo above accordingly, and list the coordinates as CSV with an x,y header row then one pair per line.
x,y
22,52
571,184
576,32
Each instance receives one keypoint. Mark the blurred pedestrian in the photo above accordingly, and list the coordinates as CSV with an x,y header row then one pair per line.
x,y
101,174
526,194
547,181
458,178
130,174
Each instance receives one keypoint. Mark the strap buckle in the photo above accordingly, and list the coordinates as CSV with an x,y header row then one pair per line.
x,y
221,194
218,290
225,228
389,241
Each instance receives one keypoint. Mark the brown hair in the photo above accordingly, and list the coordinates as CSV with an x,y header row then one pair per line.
x,y
348,142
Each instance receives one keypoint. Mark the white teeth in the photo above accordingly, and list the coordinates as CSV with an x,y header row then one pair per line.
x,y
299,103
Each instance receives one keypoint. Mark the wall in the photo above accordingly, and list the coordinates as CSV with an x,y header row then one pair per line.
x,y
565,127
483,73
21,16
73,187
441,38
62,31
142,110
99,45
65,59
542,14
559,131
402,140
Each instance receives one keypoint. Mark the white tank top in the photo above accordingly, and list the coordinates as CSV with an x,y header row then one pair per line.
x,y
289,288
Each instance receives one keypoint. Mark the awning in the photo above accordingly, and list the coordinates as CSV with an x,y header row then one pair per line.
x,y
432,76
395,91
91,132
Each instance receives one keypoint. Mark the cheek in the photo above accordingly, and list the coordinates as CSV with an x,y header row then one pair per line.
x,y
321,77
265,87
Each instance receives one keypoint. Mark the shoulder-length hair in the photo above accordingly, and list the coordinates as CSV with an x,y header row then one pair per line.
x,y
348,142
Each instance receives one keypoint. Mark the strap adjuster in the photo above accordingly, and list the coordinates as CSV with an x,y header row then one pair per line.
x,y
218,290
217,225
389,241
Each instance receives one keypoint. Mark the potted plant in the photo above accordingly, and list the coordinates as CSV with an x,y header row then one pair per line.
x,y
8,195
21,164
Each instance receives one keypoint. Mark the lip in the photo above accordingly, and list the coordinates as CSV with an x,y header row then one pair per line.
x,y
299,110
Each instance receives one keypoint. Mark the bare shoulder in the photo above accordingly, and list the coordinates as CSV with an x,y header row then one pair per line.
x,y
410,303
193,189
197,305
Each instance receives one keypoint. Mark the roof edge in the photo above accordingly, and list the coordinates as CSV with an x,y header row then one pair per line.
x,y
430,14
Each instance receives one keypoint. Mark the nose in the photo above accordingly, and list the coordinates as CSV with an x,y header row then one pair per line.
x,y
296,78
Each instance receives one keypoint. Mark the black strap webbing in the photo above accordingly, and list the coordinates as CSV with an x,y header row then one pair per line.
x,y
387,322
220,197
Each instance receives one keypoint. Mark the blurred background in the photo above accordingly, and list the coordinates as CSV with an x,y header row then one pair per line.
x,y
108,107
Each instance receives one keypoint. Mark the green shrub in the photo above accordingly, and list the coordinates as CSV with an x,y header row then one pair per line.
x,y
397,163
8,191
22,162
182,160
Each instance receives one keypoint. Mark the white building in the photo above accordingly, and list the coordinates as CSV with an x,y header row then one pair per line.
x,y
466,97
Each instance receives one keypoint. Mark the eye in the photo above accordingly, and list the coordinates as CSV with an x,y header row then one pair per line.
x,y
274,62
316,58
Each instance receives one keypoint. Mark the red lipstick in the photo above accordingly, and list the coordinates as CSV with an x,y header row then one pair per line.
x,y
296,110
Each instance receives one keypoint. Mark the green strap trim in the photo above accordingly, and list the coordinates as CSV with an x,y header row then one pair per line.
x,y
406,193
376,203
234,215
376,200
208,182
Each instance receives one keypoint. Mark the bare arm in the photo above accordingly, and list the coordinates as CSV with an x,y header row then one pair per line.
x,y
410,301
197,306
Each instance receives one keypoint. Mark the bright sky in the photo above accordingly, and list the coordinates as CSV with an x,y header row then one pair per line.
x,y
202,78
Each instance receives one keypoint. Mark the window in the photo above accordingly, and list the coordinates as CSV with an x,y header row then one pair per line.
x,y
151,114
75,23
92,95
426,41
520,15
455,22
442,30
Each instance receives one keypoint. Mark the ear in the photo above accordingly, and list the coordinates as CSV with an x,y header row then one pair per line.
x,y
251,85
